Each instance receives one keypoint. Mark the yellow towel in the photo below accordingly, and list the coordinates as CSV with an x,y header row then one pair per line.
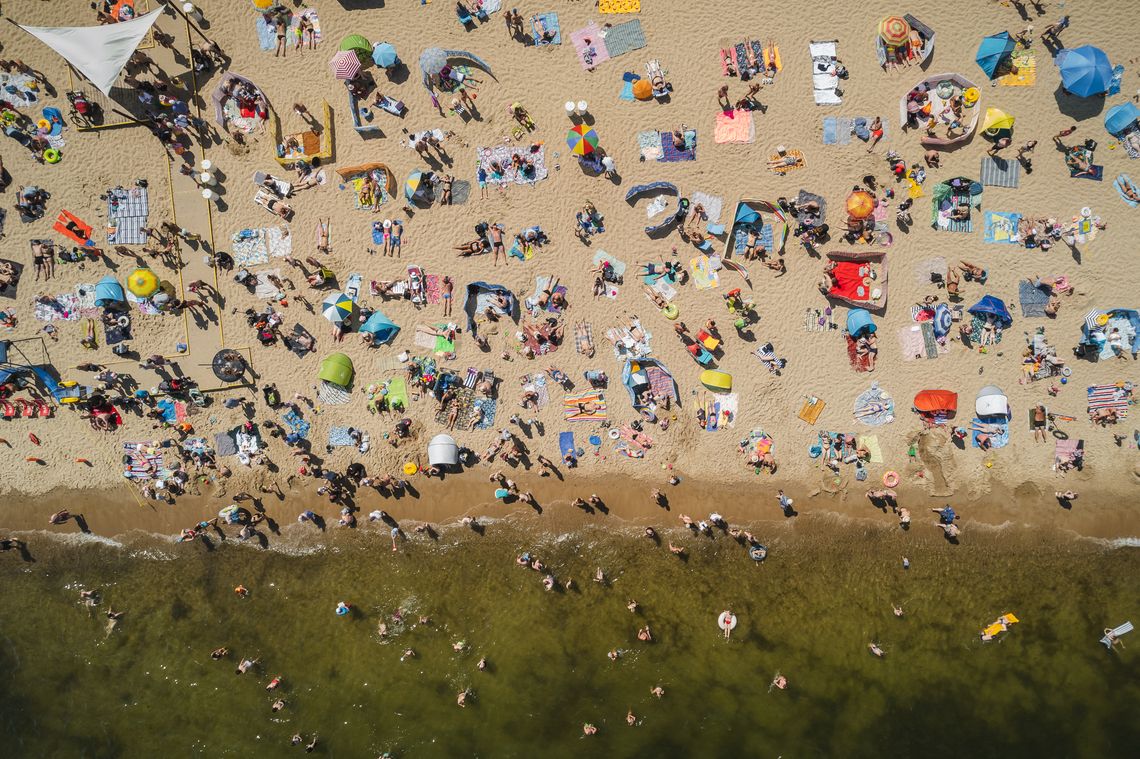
x,y
1026,76
810,411
871,443
619,6
799,164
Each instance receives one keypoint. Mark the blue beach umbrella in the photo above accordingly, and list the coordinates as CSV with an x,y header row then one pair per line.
x,y
1085,71
384,55
1120,117
993,50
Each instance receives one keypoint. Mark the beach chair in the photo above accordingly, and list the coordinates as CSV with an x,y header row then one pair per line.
x,y
465,18
708,340
700,354
472,376
284,189
274,205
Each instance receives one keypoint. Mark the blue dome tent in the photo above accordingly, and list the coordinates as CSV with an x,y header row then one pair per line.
x,y
991,306
859,322
1120,117
108,292
993,51
382,329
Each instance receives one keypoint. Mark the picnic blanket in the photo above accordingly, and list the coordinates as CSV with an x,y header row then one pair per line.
x,y
976,325
265,289
460,192
1025,61
874,407
1000,172
1001,227
624,38
649,145
224,444
740,240
811,410
503,154
22,86
126,215
540,284
589,46
1119,184
860,363
295,423
142,462
704,276
573,405
838,130
252,247
1032,299
661,382
619,6
1108,396
734,126
998,439
1067,452
549,22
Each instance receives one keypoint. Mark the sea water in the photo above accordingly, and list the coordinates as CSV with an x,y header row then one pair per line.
x,y
148,687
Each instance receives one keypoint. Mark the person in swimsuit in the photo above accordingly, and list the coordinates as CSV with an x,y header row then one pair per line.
x,y
447,288
395,237
876,133
282,24
496,232
445,189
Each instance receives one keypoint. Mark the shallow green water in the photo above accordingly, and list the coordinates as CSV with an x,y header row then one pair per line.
x,y
1046,689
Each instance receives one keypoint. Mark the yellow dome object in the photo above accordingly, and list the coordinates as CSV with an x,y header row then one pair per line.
x,y
1102,320
642,89
971,95
43,124
996,118
410,468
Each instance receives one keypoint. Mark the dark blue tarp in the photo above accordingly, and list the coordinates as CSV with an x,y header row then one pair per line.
x,y
470,304
991,306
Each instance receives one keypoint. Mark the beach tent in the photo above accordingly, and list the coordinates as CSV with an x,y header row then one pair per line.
x,y
337,369
434,59
348,173
97,52
934,401
748,213
991,306
641,374
380,327
991,401
859,321
994,50
1120,117
1085,71
443,451
108,292
480,295
996,119
661,192
417,185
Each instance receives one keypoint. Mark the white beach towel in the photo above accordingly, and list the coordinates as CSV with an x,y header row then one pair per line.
x,y
824,81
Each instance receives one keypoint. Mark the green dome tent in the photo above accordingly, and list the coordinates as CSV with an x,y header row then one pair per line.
x,y
337,369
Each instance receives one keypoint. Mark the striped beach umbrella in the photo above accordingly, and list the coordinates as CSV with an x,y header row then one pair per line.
x,y
894,30
860,204
338,307
416,185
582,140
345,64
142,283
1095,319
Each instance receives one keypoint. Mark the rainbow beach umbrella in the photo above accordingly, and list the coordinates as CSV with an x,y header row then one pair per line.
x,y
345,64
894,30
582,140
142,283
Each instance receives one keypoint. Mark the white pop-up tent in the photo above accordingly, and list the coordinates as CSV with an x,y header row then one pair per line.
x,y
991,401
443,451
97,52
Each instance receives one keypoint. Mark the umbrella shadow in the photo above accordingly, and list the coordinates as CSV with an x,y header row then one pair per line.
x,y
1078,108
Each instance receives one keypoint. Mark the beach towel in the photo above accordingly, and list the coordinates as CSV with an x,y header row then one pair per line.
x,y
624,38
584,338
627,80
82,236
1000,172
1025,61
811,410
224,444
734,126
438,344
704,276
593,401
929,341
1107,396
503,155
566,444
740,241
1095,173
267,32
589,47
943,222
63,307
786,166
649,145
339,437
825,84
860,363
713,205
874,407
661,382
1119,184
999,438
926,269
1066,452
143,462
460,192
9,290
549,22
126,215
1032,299
910,343
485,408
838,130
671,153
619,6
871,443
264,288
295,423
172,411
1001,227
252,247
976,325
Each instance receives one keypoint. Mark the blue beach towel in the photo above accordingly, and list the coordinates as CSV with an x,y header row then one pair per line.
x,y
487,405
1032,299
830,130
998,440
1118,183
266,34
295,423
550,23
169,412
627,86
566,444
670,154
1097,174
338,436
740,241
377,235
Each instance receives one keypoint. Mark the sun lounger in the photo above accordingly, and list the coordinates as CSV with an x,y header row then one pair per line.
x,y
270,203
825,84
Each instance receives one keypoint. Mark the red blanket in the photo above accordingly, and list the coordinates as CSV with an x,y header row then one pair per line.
x,y
849,281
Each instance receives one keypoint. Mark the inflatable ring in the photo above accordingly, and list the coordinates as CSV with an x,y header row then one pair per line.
x,y
1067,371
758,552
726,621
51,155
614,434
124,321
1101,320
671,311
410,468
970,96
891,479
43,124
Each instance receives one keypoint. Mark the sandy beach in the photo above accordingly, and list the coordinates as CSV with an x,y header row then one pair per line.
x,y
1014,484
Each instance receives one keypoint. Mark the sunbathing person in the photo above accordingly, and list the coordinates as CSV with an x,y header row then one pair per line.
x,y
679,138
544,298
280,208
471,248
752,247
782,162
656,297
972,272
1104,416
866,346
1129,190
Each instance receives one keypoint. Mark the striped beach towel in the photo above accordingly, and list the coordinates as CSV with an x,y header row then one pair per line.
x,y
624,38
1108,396
584,407
1000,172
661,382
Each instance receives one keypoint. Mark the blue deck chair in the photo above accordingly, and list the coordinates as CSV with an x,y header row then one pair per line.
x,y
464,15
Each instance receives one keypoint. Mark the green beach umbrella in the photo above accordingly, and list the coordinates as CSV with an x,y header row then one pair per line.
x,y
357,44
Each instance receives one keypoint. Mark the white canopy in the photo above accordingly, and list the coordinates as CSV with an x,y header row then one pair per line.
x,y
991,401
98,52
443,450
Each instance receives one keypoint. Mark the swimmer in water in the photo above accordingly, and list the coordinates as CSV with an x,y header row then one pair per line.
x,y
311,745
461,699
408,654
897,610
548,582
296,739
599,576
780,681
657,690
244,666
644,635
274,684
458,646
630,718
632,606
482,665
874,648
676,550
589,729
219,653
278,705
651,533
613,654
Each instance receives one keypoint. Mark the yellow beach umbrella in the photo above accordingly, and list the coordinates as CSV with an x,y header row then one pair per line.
x,y
995,119
860,204
142,283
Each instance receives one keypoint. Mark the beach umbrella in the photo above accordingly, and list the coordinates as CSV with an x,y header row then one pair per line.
x,y
345,64
860,204
582,140
642,89
996,119
228,365
993,50
1085,71
433,60
894,30
338,307
416,185
384,55
356,43
1120,117
142,283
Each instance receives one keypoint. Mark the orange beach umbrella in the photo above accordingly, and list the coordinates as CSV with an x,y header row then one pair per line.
x,y
894,30
860,204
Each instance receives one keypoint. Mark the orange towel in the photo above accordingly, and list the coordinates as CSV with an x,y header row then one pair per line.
x,y
61,227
